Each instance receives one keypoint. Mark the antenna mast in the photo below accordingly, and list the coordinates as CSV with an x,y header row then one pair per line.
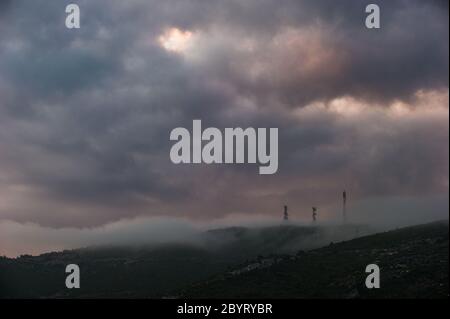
x,y
314,214
344,206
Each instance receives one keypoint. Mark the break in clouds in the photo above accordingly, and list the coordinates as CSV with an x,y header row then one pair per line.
x,y
85,115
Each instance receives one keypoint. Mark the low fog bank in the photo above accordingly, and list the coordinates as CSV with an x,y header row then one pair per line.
x,y
264,237
365,217
17,239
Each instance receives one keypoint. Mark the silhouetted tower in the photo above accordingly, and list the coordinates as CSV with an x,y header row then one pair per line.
x,y
285,216
344,206
314,214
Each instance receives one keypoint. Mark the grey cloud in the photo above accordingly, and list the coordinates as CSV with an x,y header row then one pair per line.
x,y
85,116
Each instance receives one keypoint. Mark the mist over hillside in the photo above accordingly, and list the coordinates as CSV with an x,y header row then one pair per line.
x,y
158,269
221,262
32,239
413,262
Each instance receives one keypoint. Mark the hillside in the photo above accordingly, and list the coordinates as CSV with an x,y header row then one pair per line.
x,y
156,271
266,262
413,263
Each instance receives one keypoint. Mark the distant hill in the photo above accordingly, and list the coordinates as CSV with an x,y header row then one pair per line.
x,y
413,263
270,262
156,271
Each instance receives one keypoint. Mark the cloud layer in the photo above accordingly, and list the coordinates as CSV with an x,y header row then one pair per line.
x,y
85,115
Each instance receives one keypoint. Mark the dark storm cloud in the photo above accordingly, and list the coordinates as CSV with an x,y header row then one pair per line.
x,y
382,65
4,6
85,115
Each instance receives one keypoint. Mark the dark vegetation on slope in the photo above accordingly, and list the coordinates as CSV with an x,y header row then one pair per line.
x,y
413,263
272,262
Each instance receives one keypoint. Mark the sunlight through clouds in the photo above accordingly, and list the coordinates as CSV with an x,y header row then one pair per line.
x,y
175,40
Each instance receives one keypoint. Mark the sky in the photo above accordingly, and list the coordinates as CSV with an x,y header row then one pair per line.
x,y
86,114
